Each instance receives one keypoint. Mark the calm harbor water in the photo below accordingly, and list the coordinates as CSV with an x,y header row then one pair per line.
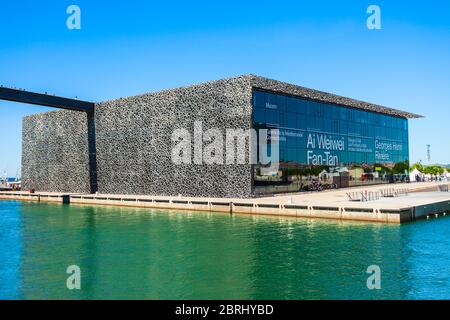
x,y
127,253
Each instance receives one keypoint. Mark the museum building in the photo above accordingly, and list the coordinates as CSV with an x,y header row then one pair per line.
x,y
125,146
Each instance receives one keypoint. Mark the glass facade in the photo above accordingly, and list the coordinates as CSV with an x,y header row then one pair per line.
x,y
323,145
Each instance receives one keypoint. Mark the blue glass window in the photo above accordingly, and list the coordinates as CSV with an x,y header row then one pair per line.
x,y
259,115
291,120
259,99
304,117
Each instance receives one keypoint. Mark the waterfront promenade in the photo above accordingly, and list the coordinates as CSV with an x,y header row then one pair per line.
x,y
423,200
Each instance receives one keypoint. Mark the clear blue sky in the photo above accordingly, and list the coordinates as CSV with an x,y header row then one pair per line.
x,y
131,47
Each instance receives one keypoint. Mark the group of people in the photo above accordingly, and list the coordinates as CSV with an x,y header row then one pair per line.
x,y
420,178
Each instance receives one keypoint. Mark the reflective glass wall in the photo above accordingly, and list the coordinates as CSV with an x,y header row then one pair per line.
x,y
323,145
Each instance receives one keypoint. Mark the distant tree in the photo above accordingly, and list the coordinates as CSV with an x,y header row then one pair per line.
x,y
434,170
428,170
383,168
401,167
417,166
317,170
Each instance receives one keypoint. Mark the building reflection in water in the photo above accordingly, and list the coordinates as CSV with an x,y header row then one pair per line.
x,y
150,254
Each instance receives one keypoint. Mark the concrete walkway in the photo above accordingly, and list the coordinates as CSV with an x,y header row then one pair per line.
x,y
423,199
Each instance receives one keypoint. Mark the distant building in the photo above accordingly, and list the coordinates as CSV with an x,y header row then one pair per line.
x,y
323,139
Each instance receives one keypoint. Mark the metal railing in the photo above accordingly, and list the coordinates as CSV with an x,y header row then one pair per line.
x,y
363,196
394,193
